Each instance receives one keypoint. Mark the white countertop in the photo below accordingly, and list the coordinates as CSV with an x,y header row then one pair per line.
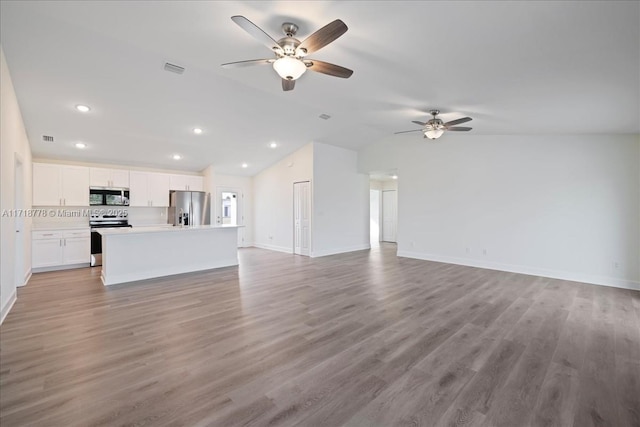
x,y
161,229
52,227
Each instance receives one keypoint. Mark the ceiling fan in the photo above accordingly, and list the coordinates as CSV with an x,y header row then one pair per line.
x,y
434,128
290,60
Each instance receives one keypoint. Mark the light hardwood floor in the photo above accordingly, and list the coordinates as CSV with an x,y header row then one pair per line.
x,y
361,339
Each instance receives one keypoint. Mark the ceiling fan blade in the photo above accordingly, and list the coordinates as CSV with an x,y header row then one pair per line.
x,y
407,131
418,123
240,64
327,68
460,129
288,84
257,33
323,36
457,121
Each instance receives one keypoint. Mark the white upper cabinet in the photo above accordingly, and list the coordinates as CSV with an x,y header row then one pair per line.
x,y
119,178
149,189
138,191
195,183
186,183
114,178
159,189
46,185
60,185
67,185
75,188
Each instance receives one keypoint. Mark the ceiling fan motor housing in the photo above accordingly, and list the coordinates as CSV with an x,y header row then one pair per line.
x,y
289,45
435,124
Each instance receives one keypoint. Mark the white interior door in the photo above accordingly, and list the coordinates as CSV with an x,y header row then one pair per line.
x,y
228,209
389,215
302,218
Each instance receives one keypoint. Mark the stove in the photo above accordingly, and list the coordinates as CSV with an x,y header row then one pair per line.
x,y
106,221
102,221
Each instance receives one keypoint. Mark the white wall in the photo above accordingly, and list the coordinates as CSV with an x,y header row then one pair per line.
x,y
340,202
273,199
13,142
555,206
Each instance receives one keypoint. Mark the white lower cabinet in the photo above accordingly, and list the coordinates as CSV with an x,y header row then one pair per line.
x,y
46,253
60,248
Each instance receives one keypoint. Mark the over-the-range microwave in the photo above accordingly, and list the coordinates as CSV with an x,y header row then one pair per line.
x,y
99,196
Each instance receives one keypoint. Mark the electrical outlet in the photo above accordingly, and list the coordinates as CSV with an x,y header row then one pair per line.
x,y
616,265
484,251
413,244
468,249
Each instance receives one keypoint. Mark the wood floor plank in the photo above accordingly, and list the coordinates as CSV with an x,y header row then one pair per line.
x,y
360,339
520,393
558,397
597,400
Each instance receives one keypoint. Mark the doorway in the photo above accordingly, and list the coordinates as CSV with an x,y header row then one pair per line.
x,y
302,218
389,215
18,201
228,210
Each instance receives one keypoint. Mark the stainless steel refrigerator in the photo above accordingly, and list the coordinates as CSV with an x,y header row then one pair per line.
x,y
189,208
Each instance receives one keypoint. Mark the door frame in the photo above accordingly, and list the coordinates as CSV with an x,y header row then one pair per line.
x,y
395,234
217,209
379,193
293,216
19,222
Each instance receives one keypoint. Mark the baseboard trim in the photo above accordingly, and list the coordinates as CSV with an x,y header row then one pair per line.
x,y
273,248
59,267
532,271
27,276
8,306
317,254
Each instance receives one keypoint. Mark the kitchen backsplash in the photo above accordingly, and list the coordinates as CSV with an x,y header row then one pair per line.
x,y
63,217
147,216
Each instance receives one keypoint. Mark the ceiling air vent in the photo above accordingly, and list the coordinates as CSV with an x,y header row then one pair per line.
x,y
47,138
173,68
324,116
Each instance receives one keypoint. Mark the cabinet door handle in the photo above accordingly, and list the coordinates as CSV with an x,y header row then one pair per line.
x,y
48,234
60,242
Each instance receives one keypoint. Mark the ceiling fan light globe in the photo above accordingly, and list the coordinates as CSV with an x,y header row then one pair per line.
x,y
434,133
289,68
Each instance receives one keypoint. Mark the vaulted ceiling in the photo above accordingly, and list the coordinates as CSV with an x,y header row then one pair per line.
x,y
515,67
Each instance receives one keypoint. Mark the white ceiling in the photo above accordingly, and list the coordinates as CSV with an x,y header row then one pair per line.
x,y
515,67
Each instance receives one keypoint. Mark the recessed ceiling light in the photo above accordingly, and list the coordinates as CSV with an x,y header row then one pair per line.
x,y
244,165
394,176
81,145
273,145
177,157
197,131
83,108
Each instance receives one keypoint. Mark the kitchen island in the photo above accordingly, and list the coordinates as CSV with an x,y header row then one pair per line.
x,y
130,254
